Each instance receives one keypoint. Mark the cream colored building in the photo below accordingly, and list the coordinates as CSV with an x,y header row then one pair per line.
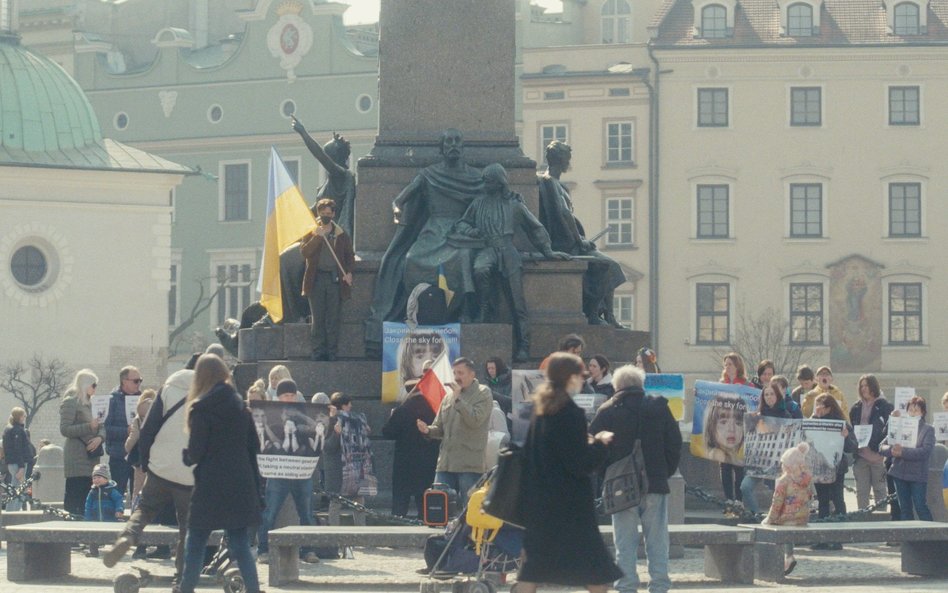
x,y
802,170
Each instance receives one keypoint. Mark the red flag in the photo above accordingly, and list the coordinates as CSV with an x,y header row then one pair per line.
x,y
431,389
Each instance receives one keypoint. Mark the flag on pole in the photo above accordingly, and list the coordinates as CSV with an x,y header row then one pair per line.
x,y
288,219
432,383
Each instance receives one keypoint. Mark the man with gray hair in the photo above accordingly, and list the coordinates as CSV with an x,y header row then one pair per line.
x,y
632,415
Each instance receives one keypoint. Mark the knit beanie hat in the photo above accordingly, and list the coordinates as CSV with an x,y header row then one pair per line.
x,y
795,456
286,386
321,398
102,470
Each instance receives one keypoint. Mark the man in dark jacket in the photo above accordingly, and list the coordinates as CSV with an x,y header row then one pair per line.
x,y
116,425
630,415
869,469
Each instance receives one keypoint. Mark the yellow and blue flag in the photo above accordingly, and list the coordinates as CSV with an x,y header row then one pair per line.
x,y
443,285
288,219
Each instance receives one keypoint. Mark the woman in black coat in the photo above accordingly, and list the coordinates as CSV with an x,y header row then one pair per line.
x,y
415,455
223,447
562,544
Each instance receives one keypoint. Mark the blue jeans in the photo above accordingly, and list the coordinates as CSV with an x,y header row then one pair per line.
x,y
748,485
238,544
276,493
912,494
654,521
459,481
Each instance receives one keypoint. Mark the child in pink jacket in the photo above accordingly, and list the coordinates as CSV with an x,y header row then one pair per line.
x,y
792,495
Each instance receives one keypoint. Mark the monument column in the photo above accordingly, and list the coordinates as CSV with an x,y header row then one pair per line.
x,y
442,64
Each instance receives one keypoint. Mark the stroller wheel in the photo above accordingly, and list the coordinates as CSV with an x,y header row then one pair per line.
x,y
430,587
480,587
233,582
126,583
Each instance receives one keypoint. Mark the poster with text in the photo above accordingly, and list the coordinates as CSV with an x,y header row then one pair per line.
x,y
717,432
903,430
523,382
405,350
826,447
671,386
765,440
131,406
902,397
863,434
291,436
941,425
100,406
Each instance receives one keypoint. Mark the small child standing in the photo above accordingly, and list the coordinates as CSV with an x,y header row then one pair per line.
x,y
105,502
792,495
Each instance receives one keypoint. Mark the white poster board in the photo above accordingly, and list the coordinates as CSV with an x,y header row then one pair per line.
x,y
941,425
100,406
902,397
863,434
903,430
131,404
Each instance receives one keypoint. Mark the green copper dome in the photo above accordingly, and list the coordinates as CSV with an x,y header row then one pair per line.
x,y
42,109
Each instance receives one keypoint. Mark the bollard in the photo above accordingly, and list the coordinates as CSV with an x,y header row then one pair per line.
x,y
935,494
51,485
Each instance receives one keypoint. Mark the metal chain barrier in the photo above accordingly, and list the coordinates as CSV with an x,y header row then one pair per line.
x,y
357,506
23,493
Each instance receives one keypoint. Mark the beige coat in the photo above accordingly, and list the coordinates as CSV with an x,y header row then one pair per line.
x,y
75,419
462,426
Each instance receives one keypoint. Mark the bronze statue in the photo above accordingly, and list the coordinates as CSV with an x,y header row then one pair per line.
x,y
425,211
340,184
604,274
490,222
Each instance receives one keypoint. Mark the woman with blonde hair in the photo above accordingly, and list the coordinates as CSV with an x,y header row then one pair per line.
x,y
85,435
257,392
277,374
17,452
223,447
562,544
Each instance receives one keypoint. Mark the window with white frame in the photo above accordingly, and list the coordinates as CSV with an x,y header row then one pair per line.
x,y
806,107
714,22
905,313
905,209
623,307
806,313
904,106
806,210
293,168
620,215
234,276
907,19
551,132
235,192
619,142
713,313
713,212
174,291
800,20
712,108
616,21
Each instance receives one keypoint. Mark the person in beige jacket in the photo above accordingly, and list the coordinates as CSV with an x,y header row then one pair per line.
x,y
462,424
824,384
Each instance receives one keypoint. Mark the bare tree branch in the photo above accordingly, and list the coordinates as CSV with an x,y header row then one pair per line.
x,y
201,304
35,383
764,336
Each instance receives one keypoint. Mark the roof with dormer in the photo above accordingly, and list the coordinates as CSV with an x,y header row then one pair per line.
x,y
757,23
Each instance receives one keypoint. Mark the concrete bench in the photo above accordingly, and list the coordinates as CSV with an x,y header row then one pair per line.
x,y
924,544
42,550
729,554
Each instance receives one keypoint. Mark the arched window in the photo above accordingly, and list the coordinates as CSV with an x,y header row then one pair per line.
x,y
616,21
800,20
713,21
906,19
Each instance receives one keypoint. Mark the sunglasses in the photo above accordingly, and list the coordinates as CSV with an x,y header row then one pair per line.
x,y
135,381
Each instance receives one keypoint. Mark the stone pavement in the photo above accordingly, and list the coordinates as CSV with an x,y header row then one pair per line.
x,y
857,568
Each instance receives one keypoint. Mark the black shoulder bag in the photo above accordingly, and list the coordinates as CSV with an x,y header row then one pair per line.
x,y
626,483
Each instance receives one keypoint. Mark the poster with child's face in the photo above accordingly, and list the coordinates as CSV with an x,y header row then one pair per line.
x,y
405,351
718,431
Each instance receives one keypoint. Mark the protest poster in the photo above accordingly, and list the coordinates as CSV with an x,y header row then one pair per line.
x,y
766,438
522,384
717,432
863,434
100,406
131,406
671,386
291,436
405,350
903,430
826,447
902,397
940,422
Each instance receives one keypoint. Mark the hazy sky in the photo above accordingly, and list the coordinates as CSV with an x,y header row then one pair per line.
x,y
367,11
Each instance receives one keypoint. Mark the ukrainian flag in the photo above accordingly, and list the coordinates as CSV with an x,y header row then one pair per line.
x,y
288,219
443,285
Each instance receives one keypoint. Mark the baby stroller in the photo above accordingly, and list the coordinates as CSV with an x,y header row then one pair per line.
x,y
475,546
219,565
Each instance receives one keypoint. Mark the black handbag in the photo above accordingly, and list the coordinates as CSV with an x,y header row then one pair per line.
x,y
503,496
626,483
97,452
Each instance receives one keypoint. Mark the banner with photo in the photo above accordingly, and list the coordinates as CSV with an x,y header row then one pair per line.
x,y
405,350
826,447
523,382
765,440
902,397
717,432
671,386
100,406
940,423
291,435
903,430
